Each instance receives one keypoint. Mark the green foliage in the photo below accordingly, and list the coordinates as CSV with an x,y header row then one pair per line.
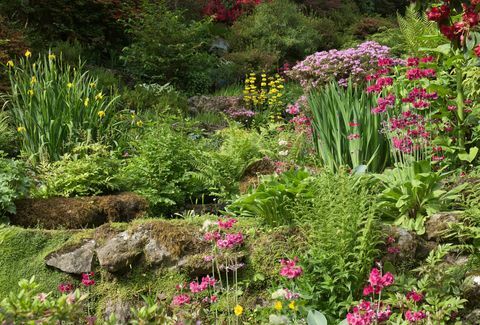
x,y
154,98
166,48
418,32
159,167
338,219
55,107
14,183
87,170
412,192
219,167
280,30
345,133
30,306
7,136
272,199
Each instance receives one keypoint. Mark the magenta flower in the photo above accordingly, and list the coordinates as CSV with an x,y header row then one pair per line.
x,y
414,296
65,287
181,300
226,224
87,279
290,269
415,316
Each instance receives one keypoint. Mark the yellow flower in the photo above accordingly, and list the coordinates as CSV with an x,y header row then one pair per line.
x,y
139,124
30,92
69,85
51,56
99,96
21,129
292,305
86,102
28,54
10,63
238,310
34,80
264,75
101,114
278,305
280,86
252,74
92,84
263,84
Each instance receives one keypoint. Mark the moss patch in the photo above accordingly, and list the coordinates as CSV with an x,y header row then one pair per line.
x,y
22,256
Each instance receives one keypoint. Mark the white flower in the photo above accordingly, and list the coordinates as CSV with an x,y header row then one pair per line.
x,y
283,153
282,143
278,319
280,293
207,224
476,280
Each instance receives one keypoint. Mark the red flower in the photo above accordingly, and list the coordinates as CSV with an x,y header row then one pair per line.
x,y
414,296
413,62
438,13
477,50
470,16
448,31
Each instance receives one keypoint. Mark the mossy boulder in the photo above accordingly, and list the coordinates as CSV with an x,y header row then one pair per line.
x,y
78,213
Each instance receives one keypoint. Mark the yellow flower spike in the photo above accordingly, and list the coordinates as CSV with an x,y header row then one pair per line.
x,y
69,85
51,56
252,74
278,305
99,96
30,92
292,305
33,80
21,129
264,75
92,84
263,84
139,124
280,86
28,54
101,114
10,64
86,102
238,310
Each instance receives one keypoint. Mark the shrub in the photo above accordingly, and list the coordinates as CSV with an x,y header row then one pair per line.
x,y
370,25
7,136
356,63
160,165
279,29
87,170
55,106
167,48
344,132
14,183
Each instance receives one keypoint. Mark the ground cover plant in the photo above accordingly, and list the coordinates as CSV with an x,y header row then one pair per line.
x,y
240,162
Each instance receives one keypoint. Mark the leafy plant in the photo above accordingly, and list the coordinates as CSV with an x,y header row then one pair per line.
x,y
7,135
411,193
344,131
417,32
159,167
28,305
14,183
273,197
87,170
55,107
339,221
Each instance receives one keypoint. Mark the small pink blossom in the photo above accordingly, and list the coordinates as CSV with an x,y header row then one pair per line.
x,y
290,269
181,300
226,224
415,316
414,296
87,279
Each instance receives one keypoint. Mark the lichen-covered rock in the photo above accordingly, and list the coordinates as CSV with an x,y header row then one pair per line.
x,y
120,252
78,213
120,308
438,223
75,259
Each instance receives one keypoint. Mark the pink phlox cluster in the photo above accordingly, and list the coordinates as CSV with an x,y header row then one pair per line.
x,y
384,103
366,313
207,282
227,224
65,287
414,296
230,241
181,300
377,282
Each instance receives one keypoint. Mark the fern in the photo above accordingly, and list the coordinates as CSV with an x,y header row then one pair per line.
x,y
418,32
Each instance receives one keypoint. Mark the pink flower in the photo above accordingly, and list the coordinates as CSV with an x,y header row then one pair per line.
x,y
87,279
414,296
353,124
65,287
438,13
230,241
290,269
385,62
211,236
181,300
293,109
477,51
413,62
427,59
226,224
353,136
208,258
42,297
393,250
378,282
416,316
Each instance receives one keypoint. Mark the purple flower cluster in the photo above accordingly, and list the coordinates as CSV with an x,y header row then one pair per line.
x,y
355,63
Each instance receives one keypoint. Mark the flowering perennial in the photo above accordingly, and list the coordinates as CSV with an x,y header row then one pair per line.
x,y
290,269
